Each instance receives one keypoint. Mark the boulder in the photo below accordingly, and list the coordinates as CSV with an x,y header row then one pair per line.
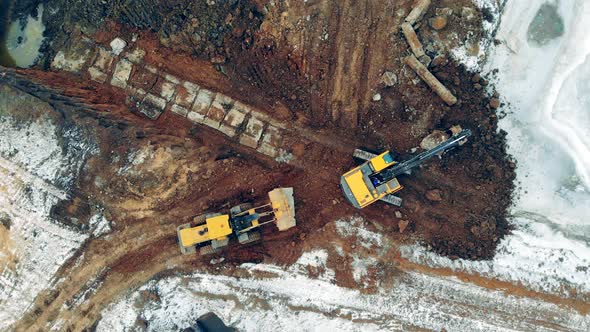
x,y
434,195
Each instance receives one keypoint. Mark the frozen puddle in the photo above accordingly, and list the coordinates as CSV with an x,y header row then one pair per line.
x,y
544,74
289,300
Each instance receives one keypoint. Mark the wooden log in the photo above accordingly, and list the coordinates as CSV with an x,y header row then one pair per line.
x,y
413,40
432,81
418,11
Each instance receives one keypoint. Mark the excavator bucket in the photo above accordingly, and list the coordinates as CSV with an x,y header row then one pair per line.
x,y
283,205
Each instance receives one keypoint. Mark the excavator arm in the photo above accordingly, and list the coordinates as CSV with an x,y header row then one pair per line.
x,y
408,165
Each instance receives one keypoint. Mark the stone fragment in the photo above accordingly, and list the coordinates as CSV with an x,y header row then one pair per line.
x,y
232,121
270,142
179,110
70,62
172,78
468,14
122,73
389,79
168,88
136,56
377,97
97,75
118,45
398,214
434,195
403,224
444,11
104,59
143,78
434,139
494,103
221,104
252,133
201,105
186,94
152,106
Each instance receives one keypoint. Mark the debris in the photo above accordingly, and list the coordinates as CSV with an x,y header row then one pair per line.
x,y
118,45
403,224
389,79
377,97
438,22
434,195
432,81
418,11
494,103
468,14
444,11
215,261
398,214
435,138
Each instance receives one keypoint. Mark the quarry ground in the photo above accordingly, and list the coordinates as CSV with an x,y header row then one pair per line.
x,y
314,68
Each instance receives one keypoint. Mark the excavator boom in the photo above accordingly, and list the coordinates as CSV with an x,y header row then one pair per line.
x,y
408,165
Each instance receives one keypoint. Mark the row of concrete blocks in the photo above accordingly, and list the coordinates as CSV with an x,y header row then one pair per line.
x,y
152,92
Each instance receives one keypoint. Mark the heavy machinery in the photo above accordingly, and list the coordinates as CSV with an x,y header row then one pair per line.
x,y
376,179
212,231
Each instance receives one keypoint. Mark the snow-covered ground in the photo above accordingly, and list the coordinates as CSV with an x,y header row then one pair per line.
x,y
546,87
35,174
289,300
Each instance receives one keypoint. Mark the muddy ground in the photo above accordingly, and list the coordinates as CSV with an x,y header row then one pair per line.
x,y
317,64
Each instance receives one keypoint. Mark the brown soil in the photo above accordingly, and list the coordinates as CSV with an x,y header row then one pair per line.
x,y
286,68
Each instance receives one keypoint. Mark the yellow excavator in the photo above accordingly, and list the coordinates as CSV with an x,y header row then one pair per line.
x,y
376,179
210,232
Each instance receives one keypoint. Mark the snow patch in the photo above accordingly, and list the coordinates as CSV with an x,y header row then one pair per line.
x,y
292,301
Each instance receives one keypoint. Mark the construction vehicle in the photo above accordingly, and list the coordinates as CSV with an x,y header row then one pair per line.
x,y
376,178
212,231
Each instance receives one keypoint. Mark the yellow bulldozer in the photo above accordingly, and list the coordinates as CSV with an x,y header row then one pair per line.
x,y
376,178
210,232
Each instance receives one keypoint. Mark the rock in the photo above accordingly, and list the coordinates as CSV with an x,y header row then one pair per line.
x,y
118,45
389,79
434,195
403,224
377,97
438,22
495,103
477,86
434,139
476,78
468,14
440,61
444,11
218,59
215,261
398,214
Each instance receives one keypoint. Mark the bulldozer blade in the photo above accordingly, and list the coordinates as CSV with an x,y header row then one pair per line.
x,y
283,205
393,200
363,155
